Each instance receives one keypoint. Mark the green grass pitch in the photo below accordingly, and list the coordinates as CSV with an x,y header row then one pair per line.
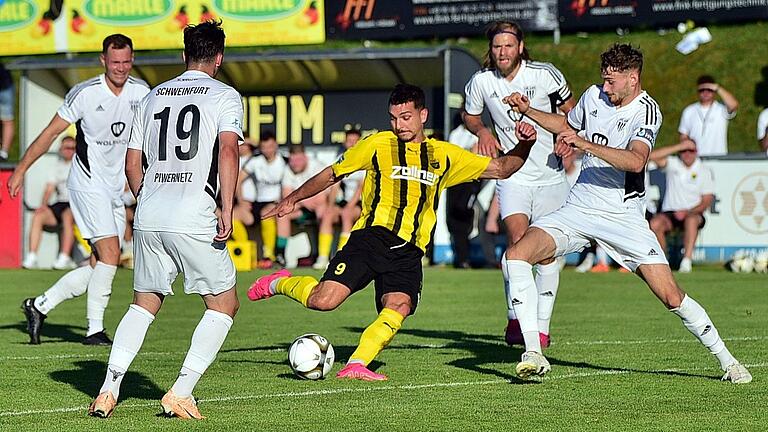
x,y
620,361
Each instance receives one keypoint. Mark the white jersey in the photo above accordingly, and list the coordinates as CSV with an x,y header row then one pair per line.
x,y
293,180
708,126
547,90
600,187
462,137
248,186
177,128
686,184
103,123
267,176
58,176
762,124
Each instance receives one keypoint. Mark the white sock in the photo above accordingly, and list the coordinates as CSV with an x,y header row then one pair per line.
x,y
99,290
547,283
129,337
71,285
696,320
510,312
602,257
523,299
206,342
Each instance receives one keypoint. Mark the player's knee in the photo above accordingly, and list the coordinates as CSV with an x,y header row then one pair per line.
x,y
323,300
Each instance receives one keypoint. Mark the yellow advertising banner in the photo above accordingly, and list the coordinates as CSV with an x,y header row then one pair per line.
x,y
24,30
81,25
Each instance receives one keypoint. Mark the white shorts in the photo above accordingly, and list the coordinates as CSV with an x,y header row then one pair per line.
x,y
98,214
627,238
532,201
160,256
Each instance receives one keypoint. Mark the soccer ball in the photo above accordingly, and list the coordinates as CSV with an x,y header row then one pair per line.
x,y
311,356
742,262
761,262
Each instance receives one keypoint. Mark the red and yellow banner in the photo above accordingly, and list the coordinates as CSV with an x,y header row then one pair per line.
x,y
41,27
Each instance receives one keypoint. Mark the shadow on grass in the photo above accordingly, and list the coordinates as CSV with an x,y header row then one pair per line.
x,y
50,332
89,375
488,350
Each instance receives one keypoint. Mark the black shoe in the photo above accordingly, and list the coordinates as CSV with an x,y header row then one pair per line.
x,y
280,261
35,320
98,339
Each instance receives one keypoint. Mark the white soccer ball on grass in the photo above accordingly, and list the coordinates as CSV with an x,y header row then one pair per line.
x,y
311,356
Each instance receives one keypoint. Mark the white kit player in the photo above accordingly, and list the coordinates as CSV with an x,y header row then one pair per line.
x,y
540,187
183,152
102,108
615,124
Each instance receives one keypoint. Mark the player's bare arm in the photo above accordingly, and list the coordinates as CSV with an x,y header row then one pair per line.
x,y
39,147
320,182
487,144
133,170
659,156
631,159
228,170
508,164
554,123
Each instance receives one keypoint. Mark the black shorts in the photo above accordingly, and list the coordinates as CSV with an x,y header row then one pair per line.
x,y
377,254
256,208
680,224
57,209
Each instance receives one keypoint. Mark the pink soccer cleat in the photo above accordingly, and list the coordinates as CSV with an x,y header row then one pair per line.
x,y
360,372
260,289
513,335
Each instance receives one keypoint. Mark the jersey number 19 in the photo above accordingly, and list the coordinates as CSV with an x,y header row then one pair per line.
x,y
192,134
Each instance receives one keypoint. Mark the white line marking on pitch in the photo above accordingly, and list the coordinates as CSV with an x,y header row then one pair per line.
x,y
446,345
83,408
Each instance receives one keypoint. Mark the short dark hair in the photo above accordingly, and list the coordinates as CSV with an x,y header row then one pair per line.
x,y
705,79
267,135
296,148
621,58
116,41
353,131
497,27
203,42
404,93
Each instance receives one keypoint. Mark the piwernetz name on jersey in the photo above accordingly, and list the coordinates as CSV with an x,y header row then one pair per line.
x,y
181,91
174,177
414,173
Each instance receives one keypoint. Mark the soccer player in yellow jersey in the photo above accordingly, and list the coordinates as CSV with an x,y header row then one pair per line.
x,y
405,174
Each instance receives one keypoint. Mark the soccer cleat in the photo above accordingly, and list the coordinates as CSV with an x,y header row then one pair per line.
x,y
64,262
260,289
737,374
532,363
174,406
103,405
600,268
360,372
544,340
280,261
513,335
35,320
321,263
98,339
685,266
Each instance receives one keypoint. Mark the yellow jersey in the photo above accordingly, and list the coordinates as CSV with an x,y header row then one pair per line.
x,y
404,180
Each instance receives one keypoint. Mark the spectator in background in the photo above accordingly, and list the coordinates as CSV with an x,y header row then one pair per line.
x,y
460,201
689,193
302,167
706,121
246,190
57,214
7,108
261,180
762,130
345,206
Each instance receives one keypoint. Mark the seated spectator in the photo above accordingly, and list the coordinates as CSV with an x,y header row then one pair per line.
x,y
7,106
762,130
57,215
302,167
689,193
345,207
260,187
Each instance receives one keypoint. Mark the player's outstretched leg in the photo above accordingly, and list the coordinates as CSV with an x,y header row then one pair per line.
x,y
298,288
129,337
522,296
659,278
512,334
71,285
99,291
375,337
